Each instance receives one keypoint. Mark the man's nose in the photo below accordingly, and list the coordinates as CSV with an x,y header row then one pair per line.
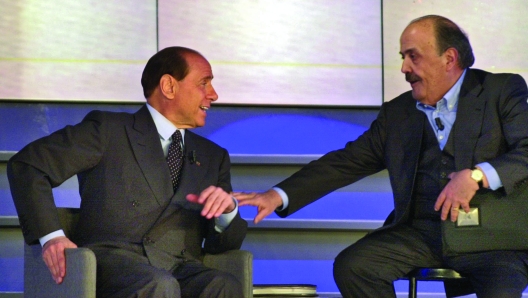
x,y
212,95
405,66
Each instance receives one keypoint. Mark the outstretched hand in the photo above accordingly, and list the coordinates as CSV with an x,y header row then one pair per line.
x,y
266,202
55,258
215,201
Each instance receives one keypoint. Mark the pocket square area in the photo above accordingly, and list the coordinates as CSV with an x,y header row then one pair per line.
x,y
468,219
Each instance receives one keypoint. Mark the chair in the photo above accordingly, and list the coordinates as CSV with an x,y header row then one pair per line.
x,y
81,267
434,274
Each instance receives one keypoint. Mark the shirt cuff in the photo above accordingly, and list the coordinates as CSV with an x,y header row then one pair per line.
x,y
50,236
224,220
284,198
494,180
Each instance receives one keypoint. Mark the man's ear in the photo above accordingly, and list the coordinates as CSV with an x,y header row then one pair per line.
x,y
168,86
451,56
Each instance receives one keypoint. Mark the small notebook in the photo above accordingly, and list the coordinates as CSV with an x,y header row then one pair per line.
x,y
284,290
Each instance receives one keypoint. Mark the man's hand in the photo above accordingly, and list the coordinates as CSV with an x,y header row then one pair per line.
x,y
215,201
456,194
55,258
266,202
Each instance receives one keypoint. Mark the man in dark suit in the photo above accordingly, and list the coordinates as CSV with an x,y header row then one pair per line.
x,y
435,166
145,222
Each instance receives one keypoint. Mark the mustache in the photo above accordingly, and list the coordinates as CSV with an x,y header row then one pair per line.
x,y
411,77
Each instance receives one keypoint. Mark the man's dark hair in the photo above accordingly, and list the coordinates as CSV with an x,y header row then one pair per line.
x,y
171,61
449,35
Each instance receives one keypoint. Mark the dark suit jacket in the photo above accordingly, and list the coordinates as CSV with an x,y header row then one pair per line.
x,y
491,126
125,187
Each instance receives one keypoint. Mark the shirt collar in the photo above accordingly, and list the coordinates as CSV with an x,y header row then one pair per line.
x,y
450,99
164,127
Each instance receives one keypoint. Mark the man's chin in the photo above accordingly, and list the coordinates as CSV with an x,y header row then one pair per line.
x,y
416,95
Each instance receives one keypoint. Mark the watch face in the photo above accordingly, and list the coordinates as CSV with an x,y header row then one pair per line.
x,y
477,175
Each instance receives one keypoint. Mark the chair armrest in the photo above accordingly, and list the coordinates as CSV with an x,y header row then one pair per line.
x,y
78,282
237,262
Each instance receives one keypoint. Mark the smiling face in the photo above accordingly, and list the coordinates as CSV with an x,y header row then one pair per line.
x,y
424,68
194,94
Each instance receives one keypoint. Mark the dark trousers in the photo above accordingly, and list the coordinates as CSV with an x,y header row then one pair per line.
x,y
127,273
369,267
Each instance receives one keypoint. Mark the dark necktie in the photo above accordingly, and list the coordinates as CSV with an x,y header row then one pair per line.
x,y
175,159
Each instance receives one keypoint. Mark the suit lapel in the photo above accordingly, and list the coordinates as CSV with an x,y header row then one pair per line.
x,y
145,143
468,123
413,125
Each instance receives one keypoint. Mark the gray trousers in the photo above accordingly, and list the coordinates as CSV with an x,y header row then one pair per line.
x,y
368,267
127,273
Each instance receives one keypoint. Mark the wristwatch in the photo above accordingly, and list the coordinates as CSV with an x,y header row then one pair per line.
x,y
478,176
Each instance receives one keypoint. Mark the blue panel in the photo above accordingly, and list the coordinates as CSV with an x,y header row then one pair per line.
x,y
22,123
314,272
319,273
69,198
12,274
340,205
286,134
259,130
423,286
7,207
243,130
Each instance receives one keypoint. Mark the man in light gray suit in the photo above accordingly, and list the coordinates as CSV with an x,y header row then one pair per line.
x,y
147,233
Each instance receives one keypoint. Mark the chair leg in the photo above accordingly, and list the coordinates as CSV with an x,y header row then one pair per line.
x,y
412,287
